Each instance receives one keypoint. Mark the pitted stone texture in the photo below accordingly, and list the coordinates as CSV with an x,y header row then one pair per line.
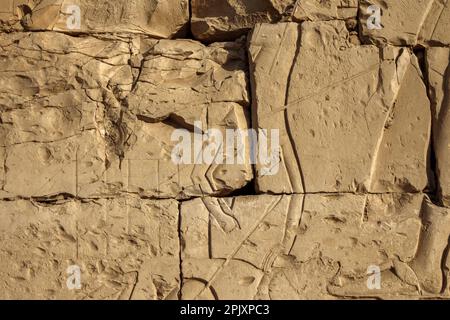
x,y
425,274
126,248
438,66
218,20
160,19
49,130
407,23
292,246
182,77
91,121
343,111
314,10
188,85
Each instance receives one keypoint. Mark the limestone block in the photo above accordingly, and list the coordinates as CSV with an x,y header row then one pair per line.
x,y
96,116
125,248
313,10
160,19
218,20
343,111
292,246
408,23
437,60
426,274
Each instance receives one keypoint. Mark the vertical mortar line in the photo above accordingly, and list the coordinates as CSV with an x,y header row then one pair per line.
x,y
127,194
180,243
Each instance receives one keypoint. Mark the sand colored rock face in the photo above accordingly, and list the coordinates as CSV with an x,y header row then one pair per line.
x,y
126,248
161,19
439,79
310,246
425,273
332,94
406,23
95,120
312,10
216,20
224,149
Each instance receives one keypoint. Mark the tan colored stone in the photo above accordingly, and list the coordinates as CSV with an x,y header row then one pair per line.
x,y
2,167
92,120
432,246
161,19
95,118
435,26
343,110
422,275
313,10
407,23
437,60
218,20
126,248
291,246
272,49
180,83
46,129
181,78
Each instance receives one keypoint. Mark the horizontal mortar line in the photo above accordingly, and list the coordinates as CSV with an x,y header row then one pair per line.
x,y
341,193
84,33
124,195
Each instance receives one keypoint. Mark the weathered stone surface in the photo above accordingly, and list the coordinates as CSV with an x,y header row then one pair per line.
x,y
313,10
426,274
343,111
161,19
95,118
439,80
106,121
407,23
180,83
297,246
126,248
48,129
218,20
184,77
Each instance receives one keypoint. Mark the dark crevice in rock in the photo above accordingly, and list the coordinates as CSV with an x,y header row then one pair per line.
x,y
26,15
189,34
247,190
444,268
287,101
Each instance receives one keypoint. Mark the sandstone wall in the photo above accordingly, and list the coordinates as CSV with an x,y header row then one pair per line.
x,y
95,97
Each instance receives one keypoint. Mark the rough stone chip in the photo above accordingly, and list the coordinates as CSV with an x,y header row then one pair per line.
x,y
160,19
125,248
351,118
